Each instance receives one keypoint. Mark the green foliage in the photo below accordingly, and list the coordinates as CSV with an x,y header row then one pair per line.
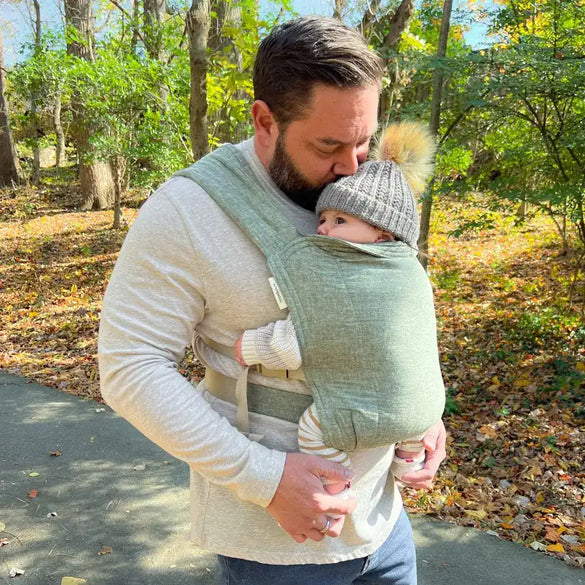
x,y
532,127
451,404
43,77
453,160
513,116
448,279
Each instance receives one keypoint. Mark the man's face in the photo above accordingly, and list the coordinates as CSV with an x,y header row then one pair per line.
x,y
330,141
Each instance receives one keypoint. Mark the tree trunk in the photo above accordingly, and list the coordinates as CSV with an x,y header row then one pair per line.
x,y
97,183
154,15
60,146
134,23
368,18
434,122
226,13
119,170
9,166
398,24
198,21
36,169
338,10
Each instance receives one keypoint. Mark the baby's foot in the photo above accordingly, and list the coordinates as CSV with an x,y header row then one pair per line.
x,y
337,489
401,465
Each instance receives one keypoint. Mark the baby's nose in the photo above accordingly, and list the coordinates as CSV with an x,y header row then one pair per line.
x,y
322,230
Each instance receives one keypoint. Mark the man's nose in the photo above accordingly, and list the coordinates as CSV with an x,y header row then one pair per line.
x,y
347,163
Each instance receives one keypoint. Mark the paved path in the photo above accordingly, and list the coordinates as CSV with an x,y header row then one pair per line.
x,y
111,487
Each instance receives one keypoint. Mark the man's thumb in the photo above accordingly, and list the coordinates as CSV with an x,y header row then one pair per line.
x,y
333,471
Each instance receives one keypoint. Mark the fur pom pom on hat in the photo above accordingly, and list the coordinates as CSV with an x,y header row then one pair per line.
x,y
382,192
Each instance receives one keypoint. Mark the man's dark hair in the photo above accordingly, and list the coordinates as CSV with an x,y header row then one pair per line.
x,y
302,52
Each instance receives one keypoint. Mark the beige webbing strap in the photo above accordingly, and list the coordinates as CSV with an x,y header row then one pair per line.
x,y
229,352
235,391
242,414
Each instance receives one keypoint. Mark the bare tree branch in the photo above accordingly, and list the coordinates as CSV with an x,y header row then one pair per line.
x,y
398,24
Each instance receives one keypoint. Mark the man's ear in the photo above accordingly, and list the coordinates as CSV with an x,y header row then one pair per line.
x,y
264,123
265,131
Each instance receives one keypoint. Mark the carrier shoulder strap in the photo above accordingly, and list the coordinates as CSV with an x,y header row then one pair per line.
x,y
227,178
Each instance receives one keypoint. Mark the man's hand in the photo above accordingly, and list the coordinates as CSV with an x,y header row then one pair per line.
x,y
301,505
434,442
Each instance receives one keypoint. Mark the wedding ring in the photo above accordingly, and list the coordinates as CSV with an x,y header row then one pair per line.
x,y
326,527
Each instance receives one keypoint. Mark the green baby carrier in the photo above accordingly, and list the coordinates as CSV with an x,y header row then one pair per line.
x,y
363,314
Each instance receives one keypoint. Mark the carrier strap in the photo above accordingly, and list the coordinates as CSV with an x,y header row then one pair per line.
x,y
267,401
248,207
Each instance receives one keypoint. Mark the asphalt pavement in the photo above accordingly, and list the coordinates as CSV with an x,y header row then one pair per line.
x,y
85,495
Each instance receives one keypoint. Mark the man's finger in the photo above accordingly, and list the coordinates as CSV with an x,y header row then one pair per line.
x,y
335,505
335,527
414,478
331,471
432,437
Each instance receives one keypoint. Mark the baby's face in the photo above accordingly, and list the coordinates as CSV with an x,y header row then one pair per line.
x,y
344,226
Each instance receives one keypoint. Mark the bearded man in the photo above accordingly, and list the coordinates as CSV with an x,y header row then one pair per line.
x,y
186,267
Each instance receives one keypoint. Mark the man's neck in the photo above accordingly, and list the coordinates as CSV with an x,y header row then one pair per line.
x,y
305,200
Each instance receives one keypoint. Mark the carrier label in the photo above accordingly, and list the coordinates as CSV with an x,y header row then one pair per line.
x,y
277,294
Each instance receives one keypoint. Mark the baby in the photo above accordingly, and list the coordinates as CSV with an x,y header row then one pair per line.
x,y
375,205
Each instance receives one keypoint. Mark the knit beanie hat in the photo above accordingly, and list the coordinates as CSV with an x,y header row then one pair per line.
x,y
382,192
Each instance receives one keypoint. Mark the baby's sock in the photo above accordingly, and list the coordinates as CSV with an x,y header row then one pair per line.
x,y
400,465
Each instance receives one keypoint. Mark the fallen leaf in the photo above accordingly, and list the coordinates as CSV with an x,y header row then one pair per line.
x,y
488,431
521,382
106,550
570,538
4,542
55,453
14,572
33,493
555,548
2,527
73,581
477,514
34,474
552,534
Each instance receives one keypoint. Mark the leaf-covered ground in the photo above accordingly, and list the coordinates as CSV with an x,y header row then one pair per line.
x,y
510,311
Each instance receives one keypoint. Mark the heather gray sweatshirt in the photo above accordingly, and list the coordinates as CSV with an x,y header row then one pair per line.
x,y
185,267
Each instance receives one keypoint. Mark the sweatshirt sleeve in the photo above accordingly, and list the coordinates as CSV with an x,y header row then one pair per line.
x,y
153,302
275,346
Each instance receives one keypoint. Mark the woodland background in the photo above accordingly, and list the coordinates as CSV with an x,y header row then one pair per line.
x,y
103,107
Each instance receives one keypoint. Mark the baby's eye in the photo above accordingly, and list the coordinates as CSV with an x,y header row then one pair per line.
x,y
321,221
339,220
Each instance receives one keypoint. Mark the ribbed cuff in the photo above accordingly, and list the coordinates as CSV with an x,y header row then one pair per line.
x,y
249,347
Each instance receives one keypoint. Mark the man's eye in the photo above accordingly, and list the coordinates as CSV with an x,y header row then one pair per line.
x,y
339,220
325,150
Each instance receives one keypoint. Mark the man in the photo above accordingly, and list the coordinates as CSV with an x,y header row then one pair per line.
x,y
185,266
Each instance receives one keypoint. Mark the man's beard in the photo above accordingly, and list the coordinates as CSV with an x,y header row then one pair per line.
x,y
290,181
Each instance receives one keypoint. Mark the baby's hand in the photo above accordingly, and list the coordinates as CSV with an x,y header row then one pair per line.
x,y
238,351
